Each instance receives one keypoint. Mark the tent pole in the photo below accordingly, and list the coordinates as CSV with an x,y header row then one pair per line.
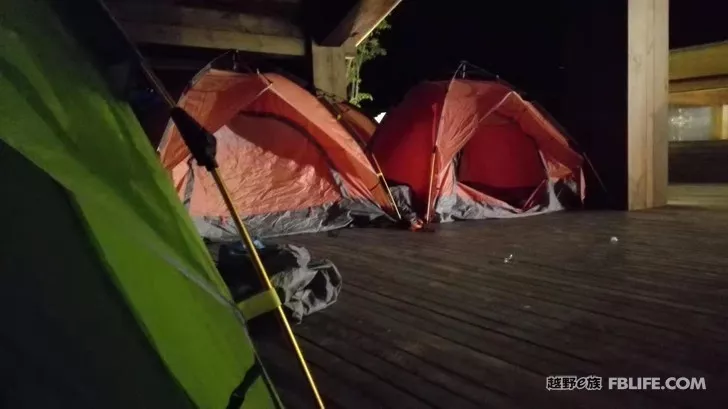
x,y
203,147
380,175
435,130
429,186
258,263
385,186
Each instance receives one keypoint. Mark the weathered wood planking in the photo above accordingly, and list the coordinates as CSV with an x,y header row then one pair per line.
x,y
440,320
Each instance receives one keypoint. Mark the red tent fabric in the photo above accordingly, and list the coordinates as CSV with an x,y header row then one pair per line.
x,y
290,165
475,149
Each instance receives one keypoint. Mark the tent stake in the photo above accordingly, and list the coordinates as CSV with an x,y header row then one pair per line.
x,y
203,147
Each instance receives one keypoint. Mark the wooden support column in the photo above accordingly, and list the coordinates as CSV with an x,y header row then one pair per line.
x,y
648,62
329,69
615,93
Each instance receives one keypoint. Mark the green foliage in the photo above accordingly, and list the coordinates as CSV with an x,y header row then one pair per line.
x,y
368,50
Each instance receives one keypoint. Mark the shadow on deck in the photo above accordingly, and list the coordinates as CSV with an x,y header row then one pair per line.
x,y
441,320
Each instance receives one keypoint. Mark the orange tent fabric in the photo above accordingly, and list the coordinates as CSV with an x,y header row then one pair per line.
x,y
475,149
360,124
289,164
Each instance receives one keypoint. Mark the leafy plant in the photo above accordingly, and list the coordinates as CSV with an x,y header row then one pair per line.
x,y
368,50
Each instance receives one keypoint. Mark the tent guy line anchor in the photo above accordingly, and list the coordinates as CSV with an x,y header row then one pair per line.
x,y
203,147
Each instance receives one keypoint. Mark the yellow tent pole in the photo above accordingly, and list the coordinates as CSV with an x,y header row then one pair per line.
x,y
202,145
429,186
263,275
383,181
380,175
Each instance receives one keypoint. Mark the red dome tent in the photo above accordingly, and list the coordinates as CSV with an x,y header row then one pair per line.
x,y
291,166
472,149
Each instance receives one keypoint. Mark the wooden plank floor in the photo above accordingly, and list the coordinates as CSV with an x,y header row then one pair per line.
x,y
440,320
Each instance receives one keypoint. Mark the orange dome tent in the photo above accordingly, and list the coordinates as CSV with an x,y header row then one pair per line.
x,y
358,122
290,165
470,149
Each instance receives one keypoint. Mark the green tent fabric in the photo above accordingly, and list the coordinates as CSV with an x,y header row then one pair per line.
x,y
110,298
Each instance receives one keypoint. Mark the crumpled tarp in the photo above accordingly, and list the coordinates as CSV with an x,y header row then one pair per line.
x,y
318,219
304,286
557,196
402,196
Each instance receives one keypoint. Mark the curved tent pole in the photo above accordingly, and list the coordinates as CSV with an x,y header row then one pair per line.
x,y
437,124
464,65
542,111
548,116
234,66
203,146
433,158
571,139
165,136
380,175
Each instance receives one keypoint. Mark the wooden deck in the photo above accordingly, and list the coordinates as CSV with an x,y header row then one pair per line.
x,y
440,320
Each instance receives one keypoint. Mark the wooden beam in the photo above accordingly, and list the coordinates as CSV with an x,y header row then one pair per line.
x,y
698,84
329,69
701,61
289,9
647,78
193,27
176,64
219,39
706,97
155,13
360,21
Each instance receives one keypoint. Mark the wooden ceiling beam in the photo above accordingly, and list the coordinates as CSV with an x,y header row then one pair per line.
x,y
707,97
698,84
706,60
193,27
286,9
217,39
359,22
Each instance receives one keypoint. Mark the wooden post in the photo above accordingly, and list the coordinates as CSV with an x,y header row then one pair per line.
x,y
329,69
648,60
614,98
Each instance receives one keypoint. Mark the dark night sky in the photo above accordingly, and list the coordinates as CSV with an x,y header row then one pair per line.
x,y
519,40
